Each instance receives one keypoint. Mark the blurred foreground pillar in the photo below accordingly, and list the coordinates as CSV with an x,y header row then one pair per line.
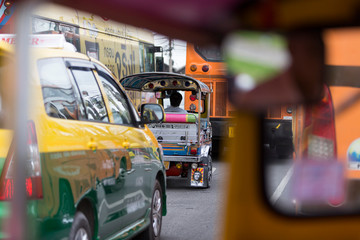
x,y
244,157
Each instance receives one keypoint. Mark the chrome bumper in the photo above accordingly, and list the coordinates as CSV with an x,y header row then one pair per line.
x,y
181,158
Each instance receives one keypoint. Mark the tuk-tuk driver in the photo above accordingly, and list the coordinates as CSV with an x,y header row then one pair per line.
x,y
175,100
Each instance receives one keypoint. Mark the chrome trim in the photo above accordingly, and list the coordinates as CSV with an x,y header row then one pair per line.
x,y
182,158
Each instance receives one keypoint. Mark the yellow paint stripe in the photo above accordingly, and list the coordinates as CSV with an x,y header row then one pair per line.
x,y
5,139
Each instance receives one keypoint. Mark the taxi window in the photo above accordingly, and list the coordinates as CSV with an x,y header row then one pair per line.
x,y
58,92
91,95
119,107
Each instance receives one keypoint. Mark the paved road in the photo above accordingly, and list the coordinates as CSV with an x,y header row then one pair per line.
x,y
278,179
194,213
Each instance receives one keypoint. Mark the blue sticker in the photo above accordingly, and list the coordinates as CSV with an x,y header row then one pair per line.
x,y
353,152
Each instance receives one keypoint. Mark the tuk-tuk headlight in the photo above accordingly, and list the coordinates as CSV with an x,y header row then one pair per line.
x,y
194,166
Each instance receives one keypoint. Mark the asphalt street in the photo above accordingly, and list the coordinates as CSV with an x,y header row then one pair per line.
x,y
195,213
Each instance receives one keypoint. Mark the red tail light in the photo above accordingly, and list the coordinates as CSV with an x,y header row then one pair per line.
x,y
193,151
205,68
33,181
322,138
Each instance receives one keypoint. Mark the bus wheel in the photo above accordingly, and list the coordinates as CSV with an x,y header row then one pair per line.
x,y
80,229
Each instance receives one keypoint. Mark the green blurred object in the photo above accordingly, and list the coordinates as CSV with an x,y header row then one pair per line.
x,y
255,57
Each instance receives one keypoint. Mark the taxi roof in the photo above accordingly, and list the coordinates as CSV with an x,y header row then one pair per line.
x,y
42,46
139,82
51,53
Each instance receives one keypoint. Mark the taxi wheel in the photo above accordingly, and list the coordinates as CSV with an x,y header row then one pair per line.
x,y
80,229
154,230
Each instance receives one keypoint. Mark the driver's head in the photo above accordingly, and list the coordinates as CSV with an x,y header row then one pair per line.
x,y
175,99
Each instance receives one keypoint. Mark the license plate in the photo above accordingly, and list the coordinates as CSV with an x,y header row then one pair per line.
x,y
166,164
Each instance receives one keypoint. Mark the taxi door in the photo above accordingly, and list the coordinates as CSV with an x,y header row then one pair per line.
x,y
141,163
109,162
135,200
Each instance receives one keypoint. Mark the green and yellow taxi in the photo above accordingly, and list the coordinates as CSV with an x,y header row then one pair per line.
x,y
94,169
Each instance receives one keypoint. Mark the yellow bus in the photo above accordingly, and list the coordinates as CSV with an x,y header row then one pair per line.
x,y
123,49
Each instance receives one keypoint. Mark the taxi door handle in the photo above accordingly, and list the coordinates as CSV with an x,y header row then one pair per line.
x,y
148,169
126,144
92,145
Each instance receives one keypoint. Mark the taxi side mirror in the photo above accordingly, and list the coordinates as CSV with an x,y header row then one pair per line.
x,y
151,113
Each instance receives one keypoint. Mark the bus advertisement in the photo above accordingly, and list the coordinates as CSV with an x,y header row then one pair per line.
x,y
122,48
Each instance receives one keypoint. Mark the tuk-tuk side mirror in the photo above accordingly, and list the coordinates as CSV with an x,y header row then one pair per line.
x,y
151,113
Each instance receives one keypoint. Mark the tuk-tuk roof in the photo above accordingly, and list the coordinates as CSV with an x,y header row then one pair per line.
x,y
156,81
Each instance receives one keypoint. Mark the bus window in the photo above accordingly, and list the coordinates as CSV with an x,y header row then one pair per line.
x,y
149,58
71,33
209,53
141,57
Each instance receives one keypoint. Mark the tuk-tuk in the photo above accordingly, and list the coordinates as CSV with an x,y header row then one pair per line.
x,y
184,136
